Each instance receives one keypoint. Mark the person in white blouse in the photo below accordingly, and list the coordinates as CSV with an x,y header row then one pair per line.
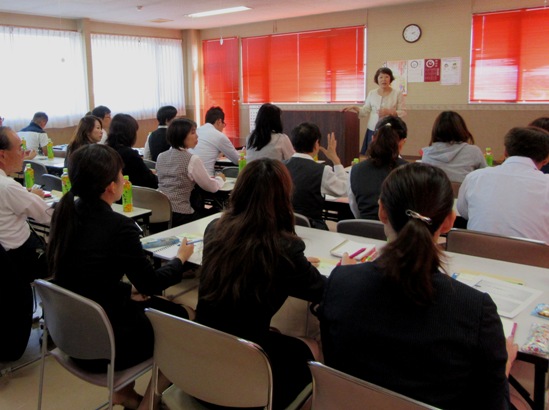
x,y
380,102
267,139
179,171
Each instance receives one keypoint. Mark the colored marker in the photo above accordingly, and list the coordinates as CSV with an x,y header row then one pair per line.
x,y
355,254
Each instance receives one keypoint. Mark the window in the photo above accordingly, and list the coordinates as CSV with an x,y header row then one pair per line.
x,y
509,59
137,75
221,86
318,66
42,70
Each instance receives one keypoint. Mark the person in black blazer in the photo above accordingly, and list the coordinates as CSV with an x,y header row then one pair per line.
x,y
91,248
402,323
122,137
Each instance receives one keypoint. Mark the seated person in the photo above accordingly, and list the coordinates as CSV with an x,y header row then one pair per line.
x,y
252,261
402,323
311,180
156,141
542,122
179,171
122,137
105,115
212,141
35,137
92,247
89,131
512,198
267,139
452,147
367,176
22,248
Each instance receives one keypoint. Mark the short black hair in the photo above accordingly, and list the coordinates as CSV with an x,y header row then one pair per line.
x,y
531,142
384,70
165,114
100,111
123,131
40,116
214,114
178,131
304,136
4,139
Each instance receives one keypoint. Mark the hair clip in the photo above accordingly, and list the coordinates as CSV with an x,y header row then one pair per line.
x,y
388,125
416,215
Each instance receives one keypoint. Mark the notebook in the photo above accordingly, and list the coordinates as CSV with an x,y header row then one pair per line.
x,y
351,247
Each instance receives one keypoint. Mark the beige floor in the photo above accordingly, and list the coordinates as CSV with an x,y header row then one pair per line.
x,y
62,390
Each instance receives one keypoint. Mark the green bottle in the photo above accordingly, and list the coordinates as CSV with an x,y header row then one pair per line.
x,y
29,177
50,149
489,157
127,198
241,162
65,181
355,161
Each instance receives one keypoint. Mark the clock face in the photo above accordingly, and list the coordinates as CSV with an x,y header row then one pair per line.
x,y
411,33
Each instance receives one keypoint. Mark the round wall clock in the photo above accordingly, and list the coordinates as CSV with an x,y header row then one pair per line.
x,y
411,33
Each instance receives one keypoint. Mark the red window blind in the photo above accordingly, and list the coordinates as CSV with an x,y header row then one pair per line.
x,y
509,58
317,66
221,82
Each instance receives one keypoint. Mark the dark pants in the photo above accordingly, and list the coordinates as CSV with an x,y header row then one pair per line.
x,y
367,140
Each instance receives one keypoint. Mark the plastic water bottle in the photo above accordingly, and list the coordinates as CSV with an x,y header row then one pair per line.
x,y
29,177
23,144
50,149
355,161
127,198
241,162
65,181
489,157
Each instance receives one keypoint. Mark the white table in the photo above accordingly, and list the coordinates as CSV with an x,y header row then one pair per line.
x,y
57,163
318,243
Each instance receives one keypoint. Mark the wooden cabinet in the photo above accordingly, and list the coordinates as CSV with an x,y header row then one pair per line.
x,y
345,125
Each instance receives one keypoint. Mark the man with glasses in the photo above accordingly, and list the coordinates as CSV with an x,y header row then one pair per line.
x,y
22,250
104,114
212,141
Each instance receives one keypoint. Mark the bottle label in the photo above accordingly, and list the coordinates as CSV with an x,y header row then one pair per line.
x,y
65,183
29,178
127,198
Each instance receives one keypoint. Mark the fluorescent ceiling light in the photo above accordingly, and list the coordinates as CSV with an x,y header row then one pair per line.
x,y
219,11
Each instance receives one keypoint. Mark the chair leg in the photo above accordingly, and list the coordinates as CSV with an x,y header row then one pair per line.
x,y
154,386
110,381
43,351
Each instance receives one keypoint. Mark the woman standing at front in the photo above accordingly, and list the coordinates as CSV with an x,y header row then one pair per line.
x,y
380,102
179,171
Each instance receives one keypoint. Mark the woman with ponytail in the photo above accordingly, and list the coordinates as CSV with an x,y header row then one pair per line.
x,y
401,322
91,248
383,156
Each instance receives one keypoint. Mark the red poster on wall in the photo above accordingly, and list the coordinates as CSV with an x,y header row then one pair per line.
x,y
432,69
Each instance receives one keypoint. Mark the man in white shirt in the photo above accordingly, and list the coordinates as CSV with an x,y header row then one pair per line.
x,y
34,134
23,256
104,114
511,199
212,141
312,180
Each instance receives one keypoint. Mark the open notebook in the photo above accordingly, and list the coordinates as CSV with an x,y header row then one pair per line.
x,y
166,248
358,249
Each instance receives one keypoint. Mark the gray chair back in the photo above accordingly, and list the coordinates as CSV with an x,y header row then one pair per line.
x,y
301,220
154,200
52,183
149,163
231,172
362,227
505,248
39,170
333,389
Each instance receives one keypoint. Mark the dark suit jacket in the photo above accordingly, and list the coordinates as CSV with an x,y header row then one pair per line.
x,y
135,168
158,143
106,248
450,354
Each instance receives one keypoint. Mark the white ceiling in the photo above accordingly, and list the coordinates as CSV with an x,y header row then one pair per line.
x,y
126,11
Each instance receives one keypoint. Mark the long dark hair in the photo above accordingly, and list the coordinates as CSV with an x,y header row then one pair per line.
x,y
450,127
91,169
239,259
410,260
384,149
267,122
81,136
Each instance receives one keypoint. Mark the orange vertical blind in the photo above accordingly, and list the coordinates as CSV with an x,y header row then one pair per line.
x,y
221,86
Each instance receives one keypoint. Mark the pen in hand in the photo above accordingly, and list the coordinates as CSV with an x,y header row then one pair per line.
x,y
355,254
